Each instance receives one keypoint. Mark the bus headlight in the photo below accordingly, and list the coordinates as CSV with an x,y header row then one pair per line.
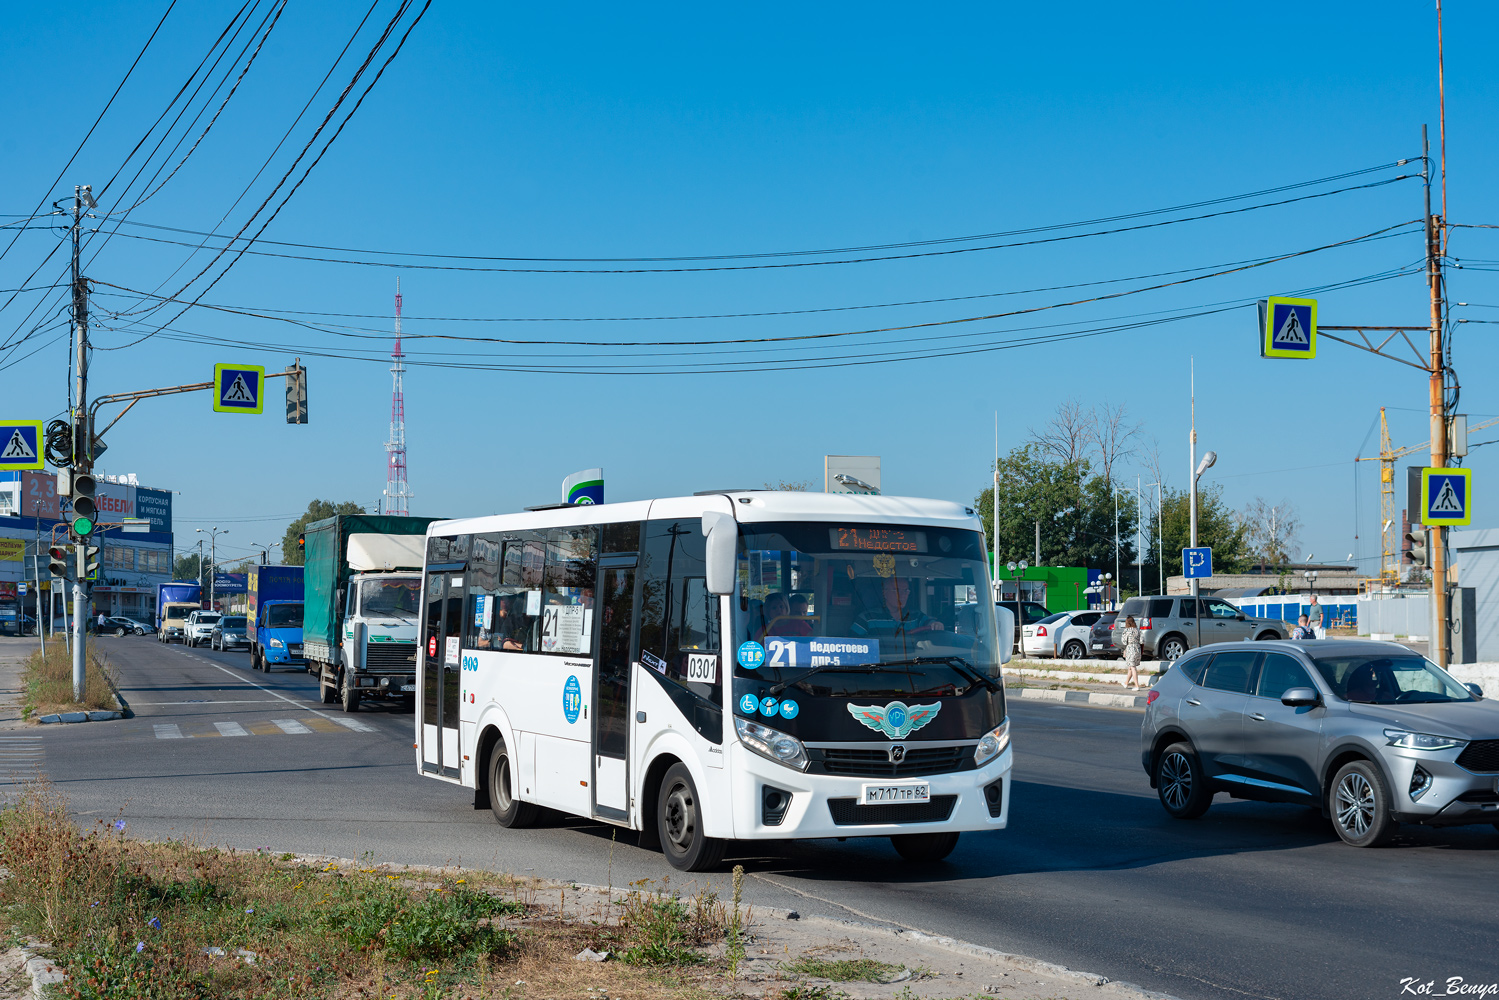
x,y
993,743
772,744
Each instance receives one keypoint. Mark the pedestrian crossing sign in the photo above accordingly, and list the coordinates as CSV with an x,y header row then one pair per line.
x,y
1446,496
20,444
238,388
1288,328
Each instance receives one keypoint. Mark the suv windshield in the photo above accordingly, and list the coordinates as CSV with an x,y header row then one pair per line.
x,y
1389,680
206,618
858,602
396,598
234,621
283,616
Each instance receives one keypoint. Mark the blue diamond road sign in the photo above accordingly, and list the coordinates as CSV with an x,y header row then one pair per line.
x,y
1197,563
20,444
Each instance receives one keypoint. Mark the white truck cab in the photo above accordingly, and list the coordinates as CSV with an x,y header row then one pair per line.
x,y
381,615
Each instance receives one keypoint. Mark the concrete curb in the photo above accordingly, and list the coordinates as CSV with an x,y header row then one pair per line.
x,y
95,716
1098,699
43,971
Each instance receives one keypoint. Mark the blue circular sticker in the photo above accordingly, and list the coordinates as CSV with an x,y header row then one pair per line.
x,y
751,655
896,716
768,706
749,704
572,699
789,709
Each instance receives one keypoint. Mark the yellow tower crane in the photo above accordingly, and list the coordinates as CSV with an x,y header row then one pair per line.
x,y
1389,536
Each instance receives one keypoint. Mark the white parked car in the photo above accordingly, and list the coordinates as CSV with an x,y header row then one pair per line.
x,y
1063,635
200,627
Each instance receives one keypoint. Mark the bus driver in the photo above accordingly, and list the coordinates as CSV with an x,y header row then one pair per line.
x,y
893,619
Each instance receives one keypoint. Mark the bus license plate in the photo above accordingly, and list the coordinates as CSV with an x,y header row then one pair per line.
x,y
876,795
408,687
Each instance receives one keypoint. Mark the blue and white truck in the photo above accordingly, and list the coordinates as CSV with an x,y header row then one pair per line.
x,y
273,616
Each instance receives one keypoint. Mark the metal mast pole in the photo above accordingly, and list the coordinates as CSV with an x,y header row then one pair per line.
x,y
994,526
1192,496
397,495
82,450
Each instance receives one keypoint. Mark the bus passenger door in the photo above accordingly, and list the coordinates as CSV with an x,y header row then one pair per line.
x,y
441,673
611,696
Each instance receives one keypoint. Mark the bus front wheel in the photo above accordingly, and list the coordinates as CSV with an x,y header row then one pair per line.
x,y
679,822
924,846
508,811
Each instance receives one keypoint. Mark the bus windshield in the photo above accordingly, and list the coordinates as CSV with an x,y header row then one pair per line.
x,y
877,610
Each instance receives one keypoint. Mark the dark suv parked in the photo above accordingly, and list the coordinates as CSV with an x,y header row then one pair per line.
x,y
1168,628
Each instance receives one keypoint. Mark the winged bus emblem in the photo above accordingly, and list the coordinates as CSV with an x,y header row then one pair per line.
x,y
896,720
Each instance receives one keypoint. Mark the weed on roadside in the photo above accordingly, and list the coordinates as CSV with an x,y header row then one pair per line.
x,y
47,682
847,970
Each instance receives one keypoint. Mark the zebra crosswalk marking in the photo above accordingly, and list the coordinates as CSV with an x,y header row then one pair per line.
x,y
167,731
20,759
230,729
291,726
356,725
265,727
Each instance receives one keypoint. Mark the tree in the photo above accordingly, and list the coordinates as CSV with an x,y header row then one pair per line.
x,y
1273,532
1066,438
1112,434
186,567
1218,527
316,511
790,486
1074,506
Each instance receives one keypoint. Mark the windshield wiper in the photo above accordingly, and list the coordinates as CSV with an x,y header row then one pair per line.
x,y
957,663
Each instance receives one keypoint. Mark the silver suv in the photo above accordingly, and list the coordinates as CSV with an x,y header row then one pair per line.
x,y
1168,628
1369,732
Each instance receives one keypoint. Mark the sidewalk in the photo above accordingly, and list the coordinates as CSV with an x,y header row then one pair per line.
x,y
13,653
1086,682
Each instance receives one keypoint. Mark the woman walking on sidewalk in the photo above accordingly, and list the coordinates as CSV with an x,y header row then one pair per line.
x,y
1127,638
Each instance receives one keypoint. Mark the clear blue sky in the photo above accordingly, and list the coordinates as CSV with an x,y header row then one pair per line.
x,y
601,131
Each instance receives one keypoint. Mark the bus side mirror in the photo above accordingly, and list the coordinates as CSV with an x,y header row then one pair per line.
x,y
1004,623
723,537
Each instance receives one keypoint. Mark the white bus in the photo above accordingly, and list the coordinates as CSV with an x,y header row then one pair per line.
x,y
737,665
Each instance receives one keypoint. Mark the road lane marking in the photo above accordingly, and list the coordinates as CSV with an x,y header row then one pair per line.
x,y
230,729
245,680
167,731
265,729
323,726
354,724
291,726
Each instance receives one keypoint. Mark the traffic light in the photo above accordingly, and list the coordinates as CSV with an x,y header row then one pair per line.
x,y
88,563
57,563
1418,552
301,545
85,511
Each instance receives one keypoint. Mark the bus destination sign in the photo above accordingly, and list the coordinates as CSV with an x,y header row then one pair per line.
x,y
878,539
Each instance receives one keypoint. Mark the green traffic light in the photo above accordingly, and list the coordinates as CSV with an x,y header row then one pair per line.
x,y
83,526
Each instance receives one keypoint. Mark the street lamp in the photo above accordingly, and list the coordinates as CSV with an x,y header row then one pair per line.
x,y
265,555
1018,569
213,538
1108,589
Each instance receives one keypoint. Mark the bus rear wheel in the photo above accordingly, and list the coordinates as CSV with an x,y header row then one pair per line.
x,y
508,811
924,846
679,824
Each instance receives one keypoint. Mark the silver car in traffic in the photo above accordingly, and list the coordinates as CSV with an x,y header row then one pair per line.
x,y
1371,733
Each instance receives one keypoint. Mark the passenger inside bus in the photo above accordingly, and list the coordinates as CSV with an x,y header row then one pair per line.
x,y
892,618
509,629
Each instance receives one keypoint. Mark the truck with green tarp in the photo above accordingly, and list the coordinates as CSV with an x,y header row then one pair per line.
x,y
363,581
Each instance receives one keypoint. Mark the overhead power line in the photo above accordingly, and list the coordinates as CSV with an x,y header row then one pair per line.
x,y
409,264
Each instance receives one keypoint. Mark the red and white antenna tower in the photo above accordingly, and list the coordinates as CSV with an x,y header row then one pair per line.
x,y
396,492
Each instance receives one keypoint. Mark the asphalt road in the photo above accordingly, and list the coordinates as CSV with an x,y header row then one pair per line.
x,y
1253,900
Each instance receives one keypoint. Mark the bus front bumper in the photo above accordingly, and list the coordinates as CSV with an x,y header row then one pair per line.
x,y
823,805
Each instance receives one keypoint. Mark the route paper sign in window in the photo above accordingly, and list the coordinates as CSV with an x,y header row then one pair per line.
x,y
563,628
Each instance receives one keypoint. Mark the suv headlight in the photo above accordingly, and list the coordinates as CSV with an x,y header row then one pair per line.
x,y
772,744
277,644
993,743
1422,741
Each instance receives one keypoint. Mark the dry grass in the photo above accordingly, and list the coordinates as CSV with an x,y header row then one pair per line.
x,y
48,682
130,920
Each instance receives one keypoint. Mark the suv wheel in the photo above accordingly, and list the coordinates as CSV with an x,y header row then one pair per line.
x,y
1266,636
1360,805
1170,648
1180,783
1074,650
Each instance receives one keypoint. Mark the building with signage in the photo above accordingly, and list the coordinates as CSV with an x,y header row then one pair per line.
x,y
130,565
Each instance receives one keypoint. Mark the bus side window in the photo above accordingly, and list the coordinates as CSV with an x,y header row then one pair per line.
x,y
483,587
567,590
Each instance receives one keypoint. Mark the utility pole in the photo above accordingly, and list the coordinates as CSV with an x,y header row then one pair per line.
x,y
1038,544
83,451
1437,384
